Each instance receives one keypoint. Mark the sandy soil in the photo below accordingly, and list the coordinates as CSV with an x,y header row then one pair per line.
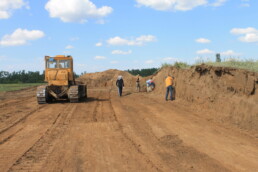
x,y
135,132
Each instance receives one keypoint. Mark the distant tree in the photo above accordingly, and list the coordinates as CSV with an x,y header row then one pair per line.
x,y
21,77
143,72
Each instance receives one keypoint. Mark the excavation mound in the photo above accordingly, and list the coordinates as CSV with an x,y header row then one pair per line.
x,y
229,94
108,79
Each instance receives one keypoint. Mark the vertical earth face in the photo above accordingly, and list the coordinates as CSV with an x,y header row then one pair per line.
x,y
211,125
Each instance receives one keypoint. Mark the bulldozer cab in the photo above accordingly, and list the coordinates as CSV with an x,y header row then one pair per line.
x,y
59,70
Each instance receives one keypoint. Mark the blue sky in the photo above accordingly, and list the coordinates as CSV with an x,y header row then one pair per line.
x,y
125,34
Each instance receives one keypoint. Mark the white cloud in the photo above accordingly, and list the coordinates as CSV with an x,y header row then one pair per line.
x,y
204,51
99,57
121,52
69,47
21,37
99,44
114,62
240,31
178,5
203,40
117,41
8,6
149,61
168,5
218,3
76,10
250,37
133,42
250,34
229,53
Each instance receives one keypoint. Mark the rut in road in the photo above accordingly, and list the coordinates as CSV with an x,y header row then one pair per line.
x,y
164,148
13,122
95,141
11,118
33,159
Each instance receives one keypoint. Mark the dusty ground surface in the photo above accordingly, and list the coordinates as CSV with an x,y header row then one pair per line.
x,y
136,132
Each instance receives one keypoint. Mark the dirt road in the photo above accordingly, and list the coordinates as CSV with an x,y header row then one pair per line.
x,y
137,132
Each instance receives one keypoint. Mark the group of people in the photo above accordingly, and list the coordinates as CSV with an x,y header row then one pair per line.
x,y
169,82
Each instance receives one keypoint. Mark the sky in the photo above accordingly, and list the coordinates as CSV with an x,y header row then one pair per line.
x,y
125,34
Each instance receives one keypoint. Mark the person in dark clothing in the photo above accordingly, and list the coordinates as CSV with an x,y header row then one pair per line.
x,y
120,85
138,84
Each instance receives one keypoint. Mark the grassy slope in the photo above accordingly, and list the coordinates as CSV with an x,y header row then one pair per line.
x,y
247,65
12,87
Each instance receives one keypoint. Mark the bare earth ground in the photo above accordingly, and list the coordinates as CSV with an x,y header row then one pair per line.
x,y
137,132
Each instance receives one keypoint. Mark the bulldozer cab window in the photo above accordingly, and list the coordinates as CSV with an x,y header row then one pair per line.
x,y
64,63
51,63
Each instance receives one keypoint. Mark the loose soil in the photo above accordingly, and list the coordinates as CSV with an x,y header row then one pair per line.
x,y
211,126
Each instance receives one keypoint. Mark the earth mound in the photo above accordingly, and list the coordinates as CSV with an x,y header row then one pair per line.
x,y
108,79
228,94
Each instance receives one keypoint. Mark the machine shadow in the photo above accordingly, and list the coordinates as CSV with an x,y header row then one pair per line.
x,y
83,100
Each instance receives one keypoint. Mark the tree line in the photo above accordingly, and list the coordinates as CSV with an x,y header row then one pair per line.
x,y
143,72
21,77
37,77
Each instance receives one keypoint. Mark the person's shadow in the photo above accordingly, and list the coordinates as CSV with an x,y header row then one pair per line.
x,y
174,94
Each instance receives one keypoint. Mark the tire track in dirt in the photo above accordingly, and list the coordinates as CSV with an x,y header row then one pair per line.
x,y
21,119
7,103
33,158
3,140
229,146
95,141
105,113
131,140
14,126
163,148
19,138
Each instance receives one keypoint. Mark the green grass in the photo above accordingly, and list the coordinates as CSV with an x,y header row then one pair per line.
x,y
181,65
13,87
250,65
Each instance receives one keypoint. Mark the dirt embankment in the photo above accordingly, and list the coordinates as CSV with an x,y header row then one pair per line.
x,y
108,79
229,95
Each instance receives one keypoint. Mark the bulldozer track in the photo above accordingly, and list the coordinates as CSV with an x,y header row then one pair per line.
x,y
131,140
2,141
11,102
103,102
34,157
110,133
21,119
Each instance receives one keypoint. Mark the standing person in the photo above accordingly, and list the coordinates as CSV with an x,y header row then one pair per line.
x,y
169,85
120,84
150,85
138,84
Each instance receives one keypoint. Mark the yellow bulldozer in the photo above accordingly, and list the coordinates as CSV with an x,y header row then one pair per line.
x,y
61,81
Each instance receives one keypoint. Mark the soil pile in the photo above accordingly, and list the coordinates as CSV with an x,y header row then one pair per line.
x,y
230,94
108,79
